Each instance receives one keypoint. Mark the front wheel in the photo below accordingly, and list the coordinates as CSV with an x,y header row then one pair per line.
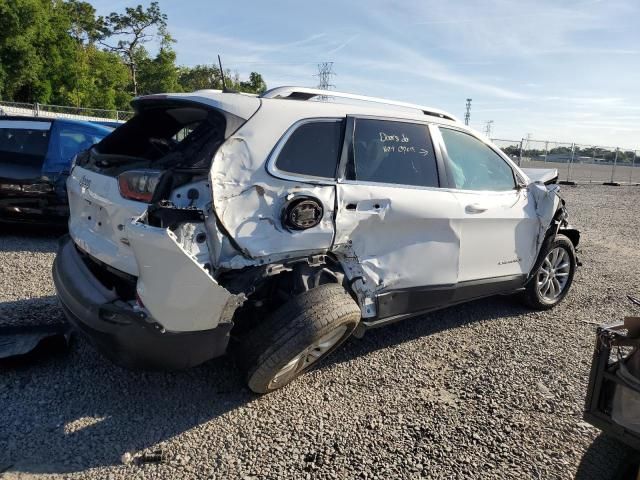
x,y
297,335
551,282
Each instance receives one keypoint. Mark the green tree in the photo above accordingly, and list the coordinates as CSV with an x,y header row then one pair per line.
x,y
208,76
132,30
255,84
159,74
35,49
61,52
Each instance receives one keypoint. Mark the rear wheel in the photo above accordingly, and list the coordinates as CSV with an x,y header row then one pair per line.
x,y
551,282
297,335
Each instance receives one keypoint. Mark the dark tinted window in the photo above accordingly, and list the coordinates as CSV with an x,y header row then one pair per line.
x,y
312,149
24,140
473,165
393,152
24,145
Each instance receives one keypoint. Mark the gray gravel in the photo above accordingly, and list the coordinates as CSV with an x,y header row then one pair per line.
x,y
484,390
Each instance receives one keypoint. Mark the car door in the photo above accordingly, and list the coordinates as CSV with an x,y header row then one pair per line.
x,y
498,226
395,217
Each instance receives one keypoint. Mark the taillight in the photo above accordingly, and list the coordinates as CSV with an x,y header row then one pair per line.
x,y
138,184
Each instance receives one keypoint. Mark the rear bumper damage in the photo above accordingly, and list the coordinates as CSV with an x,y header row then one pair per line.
x,y
122,331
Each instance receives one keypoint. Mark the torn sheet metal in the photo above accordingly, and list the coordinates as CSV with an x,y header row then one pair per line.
x,y
248,200
541,175
20,340
546,201
177,290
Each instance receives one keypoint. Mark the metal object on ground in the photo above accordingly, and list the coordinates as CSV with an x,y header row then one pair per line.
x,y
609,382
21,340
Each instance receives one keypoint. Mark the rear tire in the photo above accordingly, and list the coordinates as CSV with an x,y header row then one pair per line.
x,y
552,280
297,335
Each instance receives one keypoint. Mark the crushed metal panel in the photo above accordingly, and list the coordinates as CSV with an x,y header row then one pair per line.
x,y
427,250
546,202
542,175
249,201
178,292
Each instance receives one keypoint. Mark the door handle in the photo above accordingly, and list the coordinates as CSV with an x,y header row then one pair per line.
x,y
367,206
475,208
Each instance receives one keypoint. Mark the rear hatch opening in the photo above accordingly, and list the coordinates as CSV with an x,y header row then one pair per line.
x,y
160,158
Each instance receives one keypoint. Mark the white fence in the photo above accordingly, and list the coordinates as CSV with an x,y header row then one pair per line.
x,y
57,111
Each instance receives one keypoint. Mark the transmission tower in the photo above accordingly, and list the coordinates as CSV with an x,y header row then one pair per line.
x,y
325,72
467,116
487,129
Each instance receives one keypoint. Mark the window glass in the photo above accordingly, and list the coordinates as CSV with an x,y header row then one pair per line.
x,y
74,140
312,149
473,165
393,152
24,141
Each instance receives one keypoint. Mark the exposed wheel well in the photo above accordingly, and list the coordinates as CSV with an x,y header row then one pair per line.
x,y
572,234
269,287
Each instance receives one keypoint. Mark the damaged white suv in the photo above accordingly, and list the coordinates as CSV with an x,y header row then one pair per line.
x,y
279,225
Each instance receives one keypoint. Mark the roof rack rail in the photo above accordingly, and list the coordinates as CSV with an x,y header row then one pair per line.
x,y
304,93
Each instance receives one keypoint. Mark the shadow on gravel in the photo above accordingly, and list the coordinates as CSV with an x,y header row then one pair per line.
x,y
429,324
17,237
608,459
69,414
38,310
80,411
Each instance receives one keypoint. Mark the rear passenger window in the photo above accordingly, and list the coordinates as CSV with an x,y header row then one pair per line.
x,y
473,165
393,152
312,149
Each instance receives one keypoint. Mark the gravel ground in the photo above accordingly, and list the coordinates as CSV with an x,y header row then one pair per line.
x,y
483,390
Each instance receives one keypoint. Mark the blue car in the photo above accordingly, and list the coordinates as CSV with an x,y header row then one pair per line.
x,y
35,159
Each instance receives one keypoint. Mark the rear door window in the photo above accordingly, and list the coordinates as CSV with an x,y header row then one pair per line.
x,y
386,151
24,142
312,149
473,165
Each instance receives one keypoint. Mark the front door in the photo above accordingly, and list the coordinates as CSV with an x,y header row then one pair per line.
x,y
498,226
402,227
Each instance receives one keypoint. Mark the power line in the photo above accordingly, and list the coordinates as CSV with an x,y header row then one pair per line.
x,y
467,116
487,128
325,72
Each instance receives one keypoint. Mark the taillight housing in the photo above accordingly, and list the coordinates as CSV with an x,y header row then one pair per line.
x,y
138,185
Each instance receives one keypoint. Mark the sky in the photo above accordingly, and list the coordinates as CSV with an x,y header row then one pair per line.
x,y
565,70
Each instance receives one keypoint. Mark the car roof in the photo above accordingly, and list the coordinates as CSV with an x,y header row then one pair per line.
x,y
244,105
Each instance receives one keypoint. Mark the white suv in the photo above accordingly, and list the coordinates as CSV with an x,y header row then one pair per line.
x,y
289,221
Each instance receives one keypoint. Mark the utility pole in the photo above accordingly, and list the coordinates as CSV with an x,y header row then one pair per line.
x,y
325,72
467,116
487,129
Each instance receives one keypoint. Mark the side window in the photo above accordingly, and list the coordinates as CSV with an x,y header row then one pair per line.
x,y
74,140
312,149
25,143
387,151
473,165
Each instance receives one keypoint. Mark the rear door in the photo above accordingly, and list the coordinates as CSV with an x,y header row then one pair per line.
x,y
398,221
499,226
